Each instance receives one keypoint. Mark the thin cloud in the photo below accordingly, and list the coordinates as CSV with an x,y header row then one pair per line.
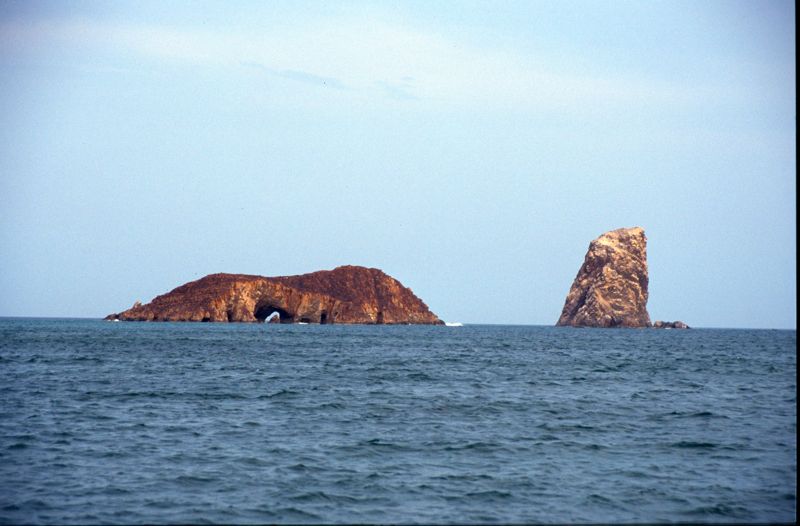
x,y
359,55
400,91
310,78
299,76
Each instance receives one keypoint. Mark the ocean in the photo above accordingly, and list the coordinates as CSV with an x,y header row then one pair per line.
x,y
234,423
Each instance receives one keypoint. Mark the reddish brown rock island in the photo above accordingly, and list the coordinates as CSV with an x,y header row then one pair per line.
x,y
348,294
610,289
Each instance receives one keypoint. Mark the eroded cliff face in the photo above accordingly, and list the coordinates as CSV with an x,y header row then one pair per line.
x,y
610,289
347,294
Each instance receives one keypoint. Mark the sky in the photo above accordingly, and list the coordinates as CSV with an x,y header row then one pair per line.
x,y
470,149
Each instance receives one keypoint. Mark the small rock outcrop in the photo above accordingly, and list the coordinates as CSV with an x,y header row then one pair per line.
x,y
610,289
670,325
348,294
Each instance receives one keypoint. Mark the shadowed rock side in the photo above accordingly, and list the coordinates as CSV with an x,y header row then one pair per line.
x,y
347,294
610,289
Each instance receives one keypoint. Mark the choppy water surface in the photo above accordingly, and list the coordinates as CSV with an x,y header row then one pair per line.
x,y
116,422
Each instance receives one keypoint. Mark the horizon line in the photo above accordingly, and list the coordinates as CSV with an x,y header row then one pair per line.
x,y
691,327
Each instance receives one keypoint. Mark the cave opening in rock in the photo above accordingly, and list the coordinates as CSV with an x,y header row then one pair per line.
x,y
323,318
265,312
379,321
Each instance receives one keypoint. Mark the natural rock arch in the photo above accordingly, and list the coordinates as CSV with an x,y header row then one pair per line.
x,y
265,311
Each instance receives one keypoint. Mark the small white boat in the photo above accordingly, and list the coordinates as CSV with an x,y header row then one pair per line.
x,y
453,324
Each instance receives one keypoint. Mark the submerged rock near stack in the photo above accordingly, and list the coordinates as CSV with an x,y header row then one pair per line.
x,y
670,325
348,294
610,289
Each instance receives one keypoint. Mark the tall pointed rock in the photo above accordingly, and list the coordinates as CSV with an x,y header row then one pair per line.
x,y
610,289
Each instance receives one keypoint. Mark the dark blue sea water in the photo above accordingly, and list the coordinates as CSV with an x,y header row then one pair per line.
x,y
152,423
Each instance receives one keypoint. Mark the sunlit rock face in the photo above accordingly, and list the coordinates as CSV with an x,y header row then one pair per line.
x,y
610,289
348,294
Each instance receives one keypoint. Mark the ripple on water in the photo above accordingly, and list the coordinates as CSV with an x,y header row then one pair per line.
x,y
719,510
692,444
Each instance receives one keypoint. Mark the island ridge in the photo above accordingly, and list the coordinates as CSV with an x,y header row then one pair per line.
x,y
348,294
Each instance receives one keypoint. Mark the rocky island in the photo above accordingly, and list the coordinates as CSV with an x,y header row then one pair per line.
x,y
610,289
348,294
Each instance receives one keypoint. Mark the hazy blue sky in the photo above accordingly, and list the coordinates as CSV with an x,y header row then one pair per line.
x,y
470,149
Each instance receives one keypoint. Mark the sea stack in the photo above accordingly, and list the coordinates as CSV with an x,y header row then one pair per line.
x,y
610,289
348,294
